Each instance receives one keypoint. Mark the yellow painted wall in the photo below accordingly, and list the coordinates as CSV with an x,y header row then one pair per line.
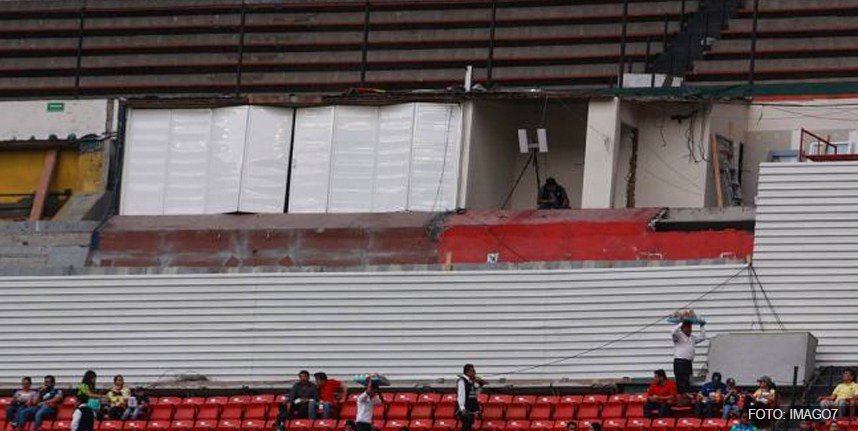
x,y
79,172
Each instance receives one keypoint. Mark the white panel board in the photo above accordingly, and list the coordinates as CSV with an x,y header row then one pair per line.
x,y
311,160
266,160
393,158
26,119
187,161
145,162
353,159
435,157
225,159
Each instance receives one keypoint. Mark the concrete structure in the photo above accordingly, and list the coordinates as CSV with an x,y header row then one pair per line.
x,y
748,356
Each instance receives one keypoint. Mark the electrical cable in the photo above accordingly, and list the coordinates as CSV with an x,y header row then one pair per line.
x,y
517,180
444,160
627,335
771,306
754,302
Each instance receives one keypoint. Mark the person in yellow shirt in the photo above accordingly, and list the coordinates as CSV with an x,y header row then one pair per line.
x,y
842,394
117,398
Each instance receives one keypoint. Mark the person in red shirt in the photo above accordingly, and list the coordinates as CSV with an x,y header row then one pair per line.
x,y
332,393
660,396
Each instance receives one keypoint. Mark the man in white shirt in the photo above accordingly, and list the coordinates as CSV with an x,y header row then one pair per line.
x,y
467,393
365,403
683,354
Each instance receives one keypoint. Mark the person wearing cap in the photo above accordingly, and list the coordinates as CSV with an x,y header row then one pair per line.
x,y
467,394
552,196
683,353
765,396
843,392
365,403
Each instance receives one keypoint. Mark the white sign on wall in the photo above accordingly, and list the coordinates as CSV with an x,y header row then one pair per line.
x,y
206,161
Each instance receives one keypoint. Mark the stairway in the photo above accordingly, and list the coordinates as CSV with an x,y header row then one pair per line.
x,y
696,36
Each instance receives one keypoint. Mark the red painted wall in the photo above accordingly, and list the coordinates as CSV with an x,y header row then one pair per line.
x,y
540,236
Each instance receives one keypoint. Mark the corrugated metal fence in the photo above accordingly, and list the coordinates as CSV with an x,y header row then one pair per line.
x,y
415,325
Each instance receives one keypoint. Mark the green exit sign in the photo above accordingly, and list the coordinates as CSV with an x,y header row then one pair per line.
x,y
56,106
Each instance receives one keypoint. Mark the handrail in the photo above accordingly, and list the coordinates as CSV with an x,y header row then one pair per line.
x,y
818,138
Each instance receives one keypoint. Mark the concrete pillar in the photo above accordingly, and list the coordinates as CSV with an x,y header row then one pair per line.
x,y
600,154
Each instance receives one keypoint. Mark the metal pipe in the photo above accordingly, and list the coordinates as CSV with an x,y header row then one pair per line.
x,y
623,42
365,46
238,70
753,66
491,59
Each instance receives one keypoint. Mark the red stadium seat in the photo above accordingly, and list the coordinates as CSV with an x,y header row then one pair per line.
x,y
566,407
265,398
379,412
394,425
271,424
169,400
446,407
713,424
584,424
229,425
591,407
495,407
543,425
217,400
65,412
388,397
444,424
194,400
162,412
185,412
70,400
687,424
300,425
109,425
517,425
543,408
60,425
204,425
482,397
209,412
615,407
635,406
613,424
400,408
519,408
662,424
181,425
637,424
257,410
378,424
232,411
420,425
560,425
157,425
490,425
252,425
349,408
424,408
325,425
732,422
5,402
239,399
134,425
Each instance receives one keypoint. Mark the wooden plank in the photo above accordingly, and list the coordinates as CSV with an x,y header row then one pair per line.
x,y
716,168
47,176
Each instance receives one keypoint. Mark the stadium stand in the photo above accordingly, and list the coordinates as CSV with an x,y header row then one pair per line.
x,y
111,47
797,41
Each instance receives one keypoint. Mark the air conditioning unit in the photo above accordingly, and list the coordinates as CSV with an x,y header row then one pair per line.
x,y
843,147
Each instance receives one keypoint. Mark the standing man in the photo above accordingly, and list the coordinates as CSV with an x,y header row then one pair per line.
x,y
683,353
467,392
365,403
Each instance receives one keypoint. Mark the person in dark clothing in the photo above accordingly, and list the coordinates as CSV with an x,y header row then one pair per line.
x,y
710,397
83,418
467,392
552,196
297,404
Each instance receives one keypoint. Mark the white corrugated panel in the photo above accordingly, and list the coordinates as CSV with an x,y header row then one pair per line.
x,y
309,181
371,159
407,325
806,251
266,160
225,158
353,163
187,162
145,163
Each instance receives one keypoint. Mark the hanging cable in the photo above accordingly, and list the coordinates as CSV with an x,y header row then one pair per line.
x,y
771,306
754,301
627,335
518,180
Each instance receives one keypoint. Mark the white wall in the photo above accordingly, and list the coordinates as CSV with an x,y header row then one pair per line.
x,y
25,119
603,141
495,161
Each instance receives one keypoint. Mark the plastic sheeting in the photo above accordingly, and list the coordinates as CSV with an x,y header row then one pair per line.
x,y
376,159
206,161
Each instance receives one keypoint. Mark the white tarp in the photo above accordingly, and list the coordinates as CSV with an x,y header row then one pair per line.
x,y
206,161
371,159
